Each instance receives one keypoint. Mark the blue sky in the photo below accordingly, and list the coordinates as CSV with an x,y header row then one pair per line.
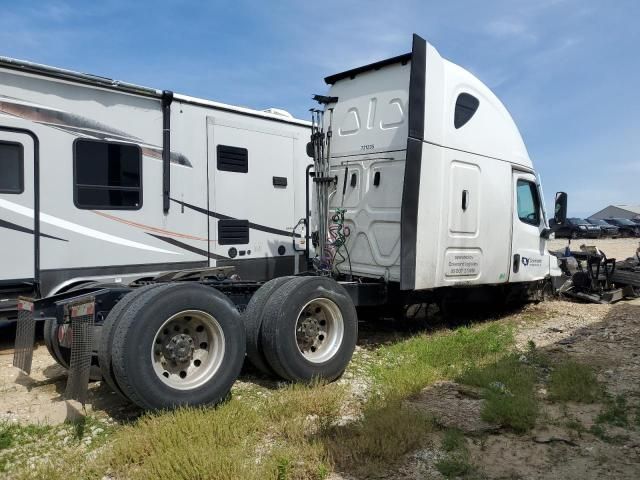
x,y
567,70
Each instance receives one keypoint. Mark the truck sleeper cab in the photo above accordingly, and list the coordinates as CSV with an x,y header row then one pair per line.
x,y
436,181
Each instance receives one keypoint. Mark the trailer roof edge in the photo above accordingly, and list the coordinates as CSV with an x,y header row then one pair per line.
x,y
331,79
111,84
85,78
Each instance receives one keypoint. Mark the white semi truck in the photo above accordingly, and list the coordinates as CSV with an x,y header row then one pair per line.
x,y
421,189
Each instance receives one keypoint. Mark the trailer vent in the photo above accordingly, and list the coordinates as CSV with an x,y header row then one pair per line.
x,y
233,232
232,159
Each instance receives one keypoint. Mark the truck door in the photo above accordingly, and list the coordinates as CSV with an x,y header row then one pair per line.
x,y
17,243
528,259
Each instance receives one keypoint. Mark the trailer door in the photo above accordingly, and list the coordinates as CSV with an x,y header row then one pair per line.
x,y
528,260
251,189
17,240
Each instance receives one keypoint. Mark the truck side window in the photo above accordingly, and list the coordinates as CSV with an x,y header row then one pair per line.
x,y
528,202
466,106
107,175
11,167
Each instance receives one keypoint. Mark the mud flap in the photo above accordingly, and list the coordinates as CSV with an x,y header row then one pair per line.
x,y
82,321
25,336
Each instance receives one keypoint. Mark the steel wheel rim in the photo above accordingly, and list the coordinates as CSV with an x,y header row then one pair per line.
x,y
319,330
188,349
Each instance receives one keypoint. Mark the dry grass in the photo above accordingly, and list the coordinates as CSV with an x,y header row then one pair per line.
x,y
509,387
295,432
573,381
377,441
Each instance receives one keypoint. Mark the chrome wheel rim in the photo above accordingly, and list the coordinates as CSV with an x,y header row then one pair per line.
x,y
188,349
319,330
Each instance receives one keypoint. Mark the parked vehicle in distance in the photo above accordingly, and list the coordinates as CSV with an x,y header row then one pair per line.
x,y
636,220
606,229
576,228
627,227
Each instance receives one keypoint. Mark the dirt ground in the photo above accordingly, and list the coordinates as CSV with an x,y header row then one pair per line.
x,y
618,248
563,443
606,337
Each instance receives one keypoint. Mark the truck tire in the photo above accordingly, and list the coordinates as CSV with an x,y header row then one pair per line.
x,y
107,333
253,323
309,329
61,355
183,344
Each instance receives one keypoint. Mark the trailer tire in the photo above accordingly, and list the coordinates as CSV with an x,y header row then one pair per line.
x,y
61,355
107,333
182,344
253,316
309,329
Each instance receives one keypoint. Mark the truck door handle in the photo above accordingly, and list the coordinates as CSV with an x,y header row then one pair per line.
x,y
516,263
465,199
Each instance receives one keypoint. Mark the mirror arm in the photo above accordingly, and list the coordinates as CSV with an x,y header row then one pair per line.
x,y
547,231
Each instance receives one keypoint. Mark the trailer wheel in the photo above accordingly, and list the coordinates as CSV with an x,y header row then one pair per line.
x,y
107,334
61,355
309,329
179,345
253,323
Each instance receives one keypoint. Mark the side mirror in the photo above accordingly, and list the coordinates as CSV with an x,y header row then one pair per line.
x,y
560,215
310,149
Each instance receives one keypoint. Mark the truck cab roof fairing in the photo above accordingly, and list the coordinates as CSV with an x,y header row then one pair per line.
x,y
491,132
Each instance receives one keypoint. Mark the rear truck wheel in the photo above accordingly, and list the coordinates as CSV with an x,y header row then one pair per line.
x,y
309,329
108,331
253,323
179,345
60,354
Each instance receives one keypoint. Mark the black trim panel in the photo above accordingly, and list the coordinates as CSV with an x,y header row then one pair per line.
x,y
411,184
220,216
417,90
167,98
19,228
331,79
186,246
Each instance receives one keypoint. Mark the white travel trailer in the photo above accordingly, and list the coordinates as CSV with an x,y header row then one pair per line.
x,y
422,191
91,189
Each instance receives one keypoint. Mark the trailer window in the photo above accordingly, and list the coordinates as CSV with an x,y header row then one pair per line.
x,y
11,167
528,202
107,175
466,106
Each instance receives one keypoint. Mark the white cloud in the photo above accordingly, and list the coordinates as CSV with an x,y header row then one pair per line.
x,y
509,28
